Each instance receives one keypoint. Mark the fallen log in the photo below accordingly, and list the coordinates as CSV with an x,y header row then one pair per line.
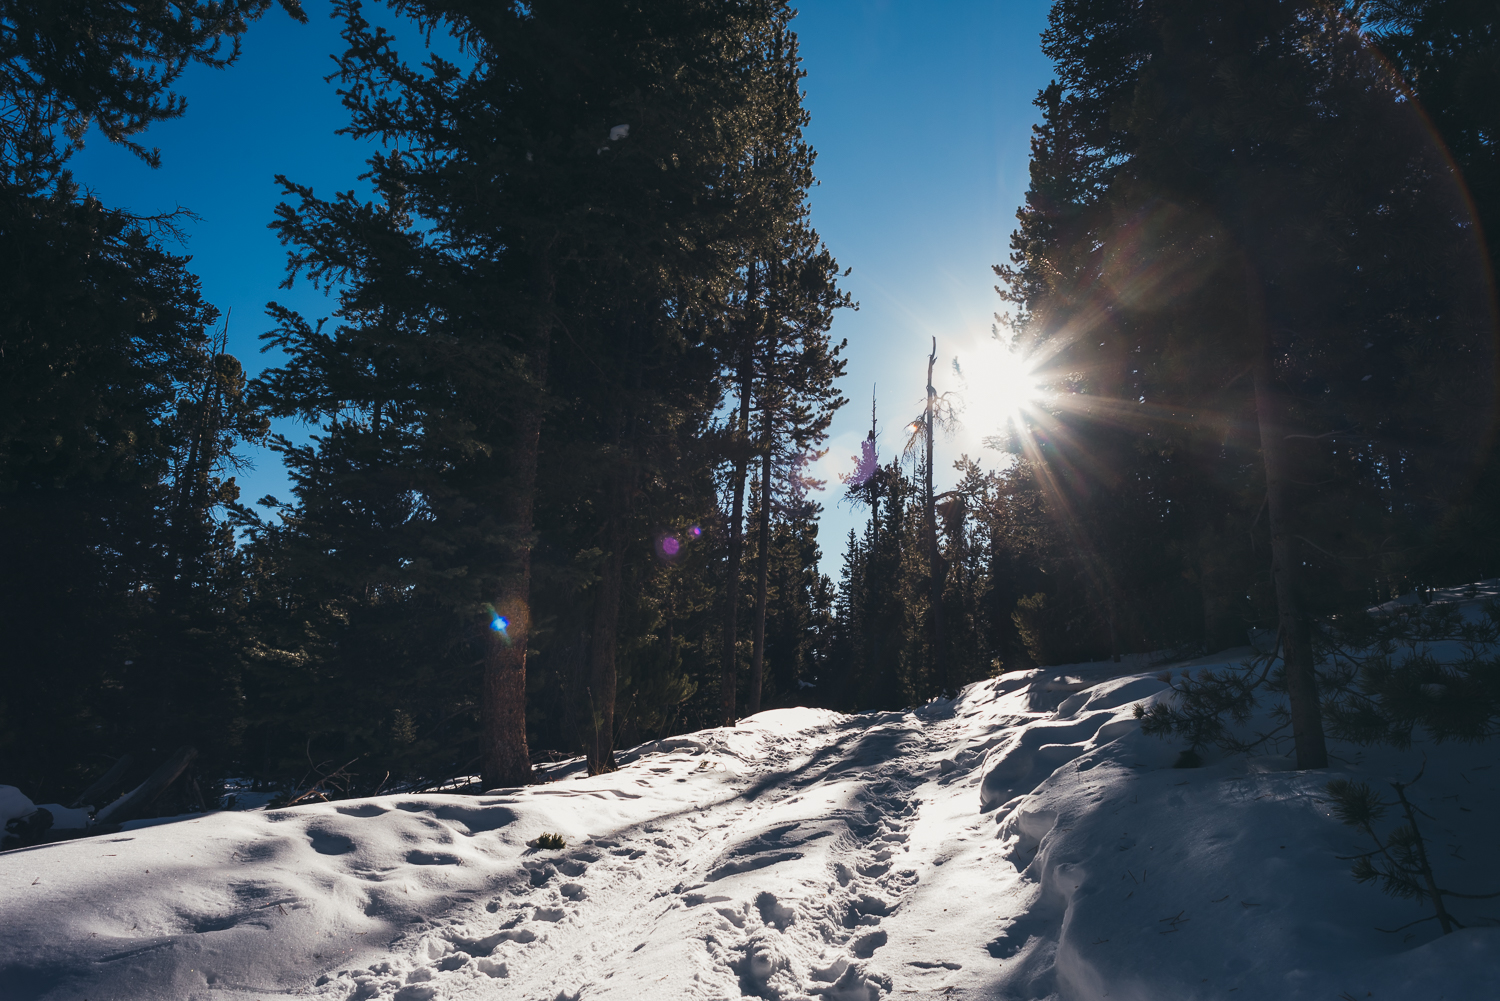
x,y
137,799
105,784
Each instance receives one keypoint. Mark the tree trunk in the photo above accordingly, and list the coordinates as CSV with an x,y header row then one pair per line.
x,y
1286,570
762,571
507,761
604,636
874,481
602,679
935,572
736,540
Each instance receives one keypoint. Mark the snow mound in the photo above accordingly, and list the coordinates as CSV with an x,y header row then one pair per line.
x,y
1023,841
14,805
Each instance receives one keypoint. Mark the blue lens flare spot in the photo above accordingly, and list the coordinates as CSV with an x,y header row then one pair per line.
x,y
695,531
498,622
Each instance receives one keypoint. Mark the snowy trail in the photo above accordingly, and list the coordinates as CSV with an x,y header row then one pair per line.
x,y
779,858
777,885
1024,841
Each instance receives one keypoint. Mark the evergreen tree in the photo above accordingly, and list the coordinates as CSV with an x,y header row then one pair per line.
x,y
556,238
118,409
66,65
796,395
1448,54
882,641
781,308
1234,215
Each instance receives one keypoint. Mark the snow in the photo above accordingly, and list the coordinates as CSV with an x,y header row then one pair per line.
x,y
1024,841
67,818
14,805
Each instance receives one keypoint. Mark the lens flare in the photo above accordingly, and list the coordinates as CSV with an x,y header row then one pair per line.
x,y
695,531
498,623
667,547
865,467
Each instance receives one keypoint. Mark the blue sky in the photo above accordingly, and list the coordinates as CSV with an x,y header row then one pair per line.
x,y
921,115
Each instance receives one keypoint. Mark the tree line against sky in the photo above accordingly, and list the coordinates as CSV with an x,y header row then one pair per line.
x,y
581,359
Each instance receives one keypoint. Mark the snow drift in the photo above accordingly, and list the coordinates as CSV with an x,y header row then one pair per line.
x,y
1024,841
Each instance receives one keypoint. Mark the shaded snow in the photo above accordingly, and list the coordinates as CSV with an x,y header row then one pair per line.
x,y
1022,841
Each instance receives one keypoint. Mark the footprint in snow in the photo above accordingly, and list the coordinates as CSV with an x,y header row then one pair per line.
x,y
538,871
864,947
773,912
575,867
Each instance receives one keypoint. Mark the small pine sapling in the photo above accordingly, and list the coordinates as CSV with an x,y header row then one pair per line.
x,y
1385,675
1399,861
1209,704
548,842
1382,676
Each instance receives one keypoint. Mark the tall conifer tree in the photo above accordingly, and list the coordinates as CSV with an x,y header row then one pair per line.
x,y
1234,214
559,218
118,410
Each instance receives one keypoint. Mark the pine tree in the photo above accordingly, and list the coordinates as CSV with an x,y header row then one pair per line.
x,y
1212,222
786,292
117,410
66,65
554,239
798,368
105,336
1448,55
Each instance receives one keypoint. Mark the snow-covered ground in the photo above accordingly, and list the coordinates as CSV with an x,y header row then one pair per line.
x,y
1023,841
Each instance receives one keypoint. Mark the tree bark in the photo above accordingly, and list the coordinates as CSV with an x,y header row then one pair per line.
x,y
603,639
736,541
935,573
762,571
507,760
105,784
1286,570
133,802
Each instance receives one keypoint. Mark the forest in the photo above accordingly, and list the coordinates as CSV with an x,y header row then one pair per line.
x,y
557,499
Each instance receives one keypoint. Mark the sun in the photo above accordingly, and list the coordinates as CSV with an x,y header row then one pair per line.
x,y
1000,386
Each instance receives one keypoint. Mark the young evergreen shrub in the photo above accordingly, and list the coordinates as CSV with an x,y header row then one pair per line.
x,y
1382,676
1399,861
1211,703
1385,675
548,842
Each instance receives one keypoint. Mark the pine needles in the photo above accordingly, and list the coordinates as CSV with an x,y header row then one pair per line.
x,y
1398,863
1383,676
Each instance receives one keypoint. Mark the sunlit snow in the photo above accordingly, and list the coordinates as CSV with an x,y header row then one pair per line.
x,y
1024,841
